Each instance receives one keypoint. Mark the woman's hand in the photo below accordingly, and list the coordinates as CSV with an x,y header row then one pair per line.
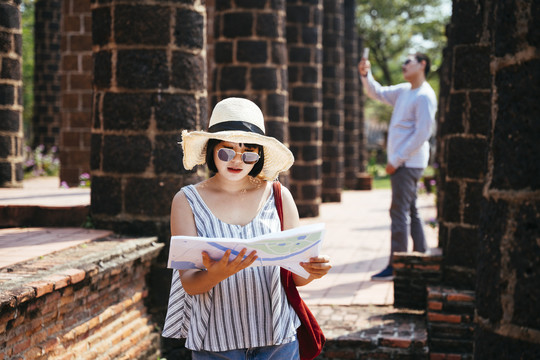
x,y
219,270
201,281
317,267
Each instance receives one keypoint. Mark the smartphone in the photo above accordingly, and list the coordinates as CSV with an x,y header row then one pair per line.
x,y
365,54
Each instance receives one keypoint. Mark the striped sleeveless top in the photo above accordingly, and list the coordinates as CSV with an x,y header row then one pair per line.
x,y
248,309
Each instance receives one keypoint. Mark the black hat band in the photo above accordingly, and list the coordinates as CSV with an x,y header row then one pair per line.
x,y
235,126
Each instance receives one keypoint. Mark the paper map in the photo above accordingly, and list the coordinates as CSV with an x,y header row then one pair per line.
x,y
286,248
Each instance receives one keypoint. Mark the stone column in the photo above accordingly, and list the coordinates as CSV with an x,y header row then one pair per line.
x,y
251,59
352,115
304,44
11,124
46,120
149,84
464,124
508,317
333,98
76,90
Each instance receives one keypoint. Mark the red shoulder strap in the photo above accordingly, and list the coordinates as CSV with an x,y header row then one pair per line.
x,y
278,201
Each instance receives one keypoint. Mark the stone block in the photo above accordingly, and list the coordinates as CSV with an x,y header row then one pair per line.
x,y
311,35
462,247
268,25
304,172
189,29
310,75
10,16
106,195
141,25
453,119
275,104
7,94
467,21
119,157
151,197
516,128
223,52
312,114
254,52
95,153
473,63
188,71
175,111
490,345
142,69
264,78
533,34
312,191
292,34
480,113
451,202
251,4
126,111
524,262
11,120
102,69
307,94
11,69
472,202
6,42
237,24
279,53
467,157
232,78
167,154
299,54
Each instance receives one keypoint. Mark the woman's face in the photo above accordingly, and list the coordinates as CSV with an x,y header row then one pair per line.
x,y
235,166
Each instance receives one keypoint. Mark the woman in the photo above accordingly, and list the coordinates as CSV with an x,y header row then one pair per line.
x,y
230,309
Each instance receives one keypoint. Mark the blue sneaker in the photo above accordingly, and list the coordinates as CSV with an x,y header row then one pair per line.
x,y
386,275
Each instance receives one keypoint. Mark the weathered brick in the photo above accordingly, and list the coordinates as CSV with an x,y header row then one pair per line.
x,y
42,287
450,318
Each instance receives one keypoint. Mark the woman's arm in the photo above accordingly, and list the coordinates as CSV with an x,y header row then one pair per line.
x,y
201,281
317,267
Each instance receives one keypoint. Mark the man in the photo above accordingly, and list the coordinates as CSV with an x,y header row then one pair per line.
x,y
409,131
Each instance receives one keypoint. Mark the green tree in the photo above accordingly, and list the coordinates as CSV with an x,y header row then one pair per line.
x,y
392,29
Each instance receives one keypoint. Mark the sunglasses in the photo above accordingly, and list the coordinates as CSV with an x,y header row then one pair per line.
x,y
227,155
407,62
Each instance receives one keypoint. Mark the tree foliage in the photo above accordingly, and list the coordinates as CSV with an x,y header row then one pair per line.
x,y
392,29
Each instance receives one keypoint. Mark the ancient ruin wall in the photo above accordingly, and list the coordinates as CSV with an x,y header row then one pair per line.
x,y
11,124
46,121
333,97
304,45
149,82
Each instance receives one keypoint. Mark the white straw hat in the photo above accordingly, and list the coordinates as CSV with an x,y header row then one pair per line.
x,y
240,121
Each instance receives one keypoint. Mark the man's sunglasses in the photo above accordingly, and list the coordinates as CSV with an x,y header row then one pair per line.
x,y
407,62
227,155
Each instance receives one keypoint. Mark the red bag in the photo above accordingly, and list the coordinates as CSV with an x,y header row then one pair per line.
x,y
310,336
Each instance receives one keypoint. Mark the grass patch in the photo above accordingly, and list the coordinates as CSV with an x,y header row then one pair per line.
x,y
382,182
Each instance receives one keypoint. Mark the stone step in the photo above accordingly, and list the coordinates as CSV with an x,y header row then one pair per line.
x,y
37,215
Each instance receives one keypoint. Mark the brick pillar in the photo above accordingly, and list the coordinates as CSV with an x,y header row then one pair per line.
x,y
11,124
508,279
464,123
46,118
149,83
251,59
333,97
352,115
210,63
76,90
304,44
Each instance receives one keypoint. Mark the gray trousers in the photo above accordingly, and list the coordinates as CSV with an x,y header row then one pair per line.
x,y
403,211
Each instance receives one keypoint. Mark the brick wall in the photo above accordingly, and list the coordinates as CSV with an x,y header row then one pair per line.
x,y
489,202
333,96
304,45
250,59
11,124
46,117
81,303
149,82
353,117
76,90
